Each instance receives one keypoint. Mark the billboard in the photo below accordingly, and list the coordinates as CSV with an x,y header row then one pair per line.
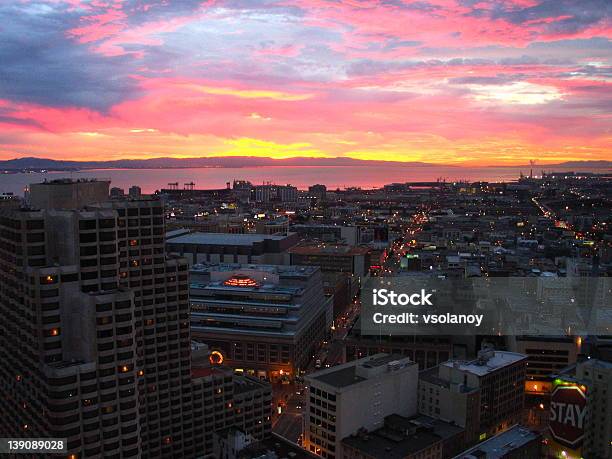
x,y
568,411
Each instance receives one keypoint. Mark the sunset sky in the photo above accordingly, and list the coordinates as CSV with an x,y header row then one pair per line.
x,y
447,81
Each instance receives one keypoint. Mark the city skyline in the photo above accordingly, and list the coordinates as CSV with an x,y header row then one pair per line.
x,y
441,81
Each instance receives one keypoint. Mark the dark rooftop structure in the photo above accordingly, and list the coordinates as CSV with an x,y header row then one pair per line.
x,y
402,437
275,446
340,378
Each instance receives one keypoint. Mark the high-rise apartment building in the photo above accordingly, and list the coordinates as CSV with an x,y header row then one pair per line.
x,y
95,338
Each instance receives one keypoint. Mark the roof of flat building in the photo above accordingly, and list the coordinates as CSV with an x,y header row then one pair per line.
x,y
283,270
349,373
381,445
226,238
501,444
430,375
342,377
177,232
275,446
481,367
442,428
329,249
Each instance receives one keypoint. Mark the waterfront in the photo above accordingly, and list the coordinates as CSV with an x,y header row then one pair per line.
x,y
301,176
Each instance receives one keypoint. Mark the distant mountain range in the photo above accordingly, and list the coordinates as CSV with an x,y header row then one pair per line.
x,y
599,164
173,163
33,163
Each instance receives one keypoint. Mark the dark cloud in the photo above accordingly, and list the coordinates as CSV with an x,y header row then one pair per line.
x,y
397,44
575,16
486,80
41,65
141,11
372,67
588,71
18,122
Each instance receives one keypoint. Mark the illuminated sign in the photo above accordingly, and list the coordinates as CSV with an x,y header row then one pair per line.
x,y
216,358
241,281
568,409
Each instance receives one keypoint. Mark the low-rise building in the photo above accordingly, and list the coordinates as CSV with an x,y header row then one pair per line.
x,y
515,443
406,438
357,395
232,248
332,257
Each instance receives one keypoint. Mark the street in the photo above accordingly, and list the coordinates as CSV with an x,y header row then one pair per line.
x,y
291,397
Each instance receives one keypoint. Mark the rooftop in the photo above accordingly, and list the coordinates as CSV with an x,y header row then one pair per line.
x,y
401,437
329,249
275,447
342,377
226,238
389,444
357,371
501,444
282,270
486,364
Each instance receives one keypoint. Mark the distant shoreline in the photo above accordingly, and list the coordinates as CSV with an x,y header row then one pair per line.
x,y
600,170
42,165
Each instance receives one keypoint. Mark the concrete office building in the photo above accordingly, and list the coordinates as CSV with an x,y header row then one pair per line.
x,y
426,351
349,235
332,258
546,354
94,337
275,193
270,193
222,400
265,320
597,374
485,395
357,395
67,193
232,248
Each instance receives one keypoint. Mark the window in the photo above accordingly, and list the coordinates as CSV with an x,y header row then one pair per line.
x,y
35,224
